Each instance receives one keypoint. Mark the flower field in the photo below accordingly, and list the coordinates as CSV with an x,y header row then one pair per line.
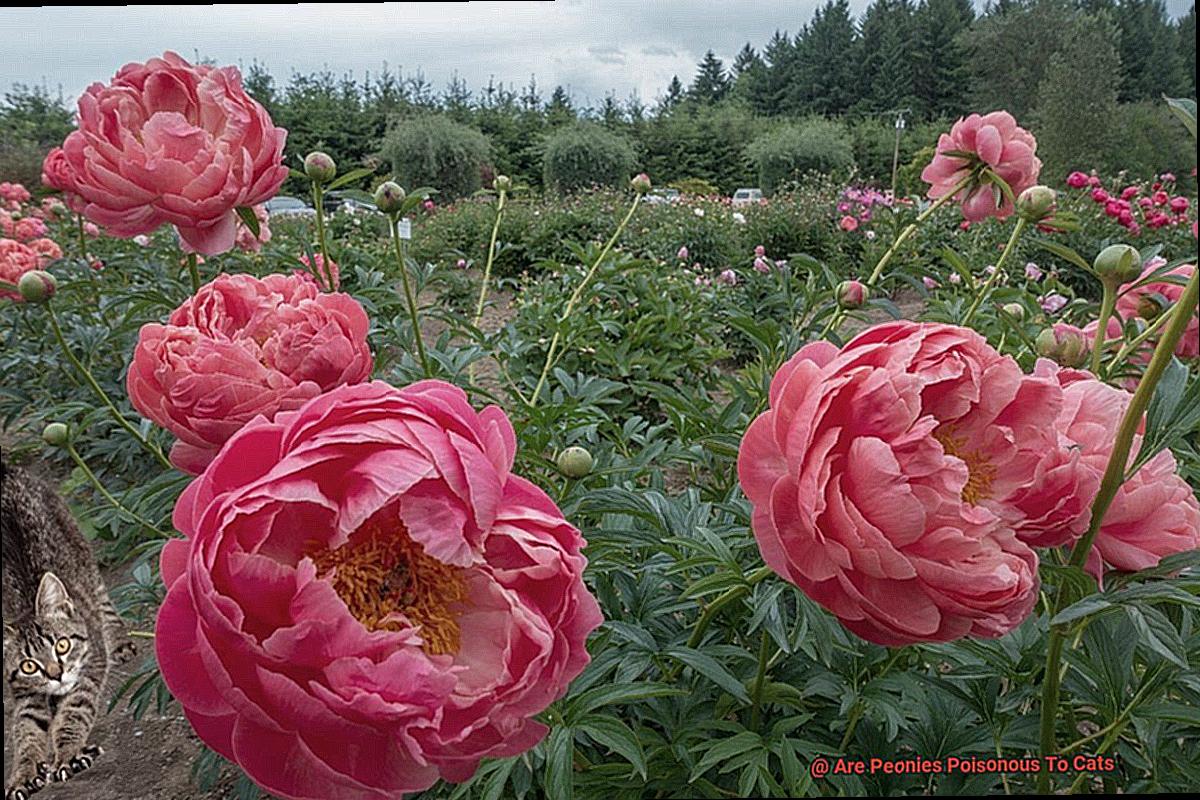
x,y
527,495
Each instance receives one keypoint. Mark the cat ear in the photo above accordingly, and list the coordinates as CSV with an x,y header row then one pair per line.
x,y
52,598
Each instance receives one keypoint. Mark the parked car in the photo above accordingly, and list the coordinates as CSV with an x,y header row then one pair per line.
x,y
341,201
660,196
284,206
747,197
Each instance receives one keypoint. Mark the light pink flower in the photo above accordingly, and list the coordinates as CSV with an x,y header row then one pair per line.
x,y
881,480
1052,303
994,140
1130,303
728,277
368,599
327,276
682,255
246,241
171,143
1154,513
848,223
240,348
1033,272
17,258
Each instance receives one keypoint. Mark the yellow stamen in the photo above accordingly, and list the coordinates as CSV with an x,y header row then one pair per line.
x,y
381,571
980,471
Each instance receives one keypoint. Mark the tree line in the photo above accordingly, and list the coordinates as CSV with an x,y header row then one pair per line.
x,y
1086,75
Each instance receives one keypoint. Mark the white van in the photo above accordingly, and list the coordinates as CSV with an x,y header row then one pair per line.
x,y
746,197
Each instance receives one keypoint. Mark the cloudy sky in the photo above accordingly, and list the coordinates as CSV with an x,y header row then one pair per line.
x,y
592,47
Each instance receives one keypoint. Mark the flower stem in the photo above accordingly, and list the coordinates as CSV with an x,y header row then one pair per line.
x,y
760,679
193,272
1107,302
319,205
409,297
91,476
1133,344
575,298
99,392
82,237
487,271
1114,476
1018,229
713,608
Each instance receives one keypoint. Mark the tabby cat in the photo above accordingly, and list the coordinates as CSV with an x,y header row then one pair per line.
x,y
61,635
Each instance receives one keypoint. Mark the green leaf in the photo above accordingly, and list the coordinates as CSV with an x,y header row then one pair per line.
x,y
616,736
350,177
726,749
1065,253
617,693
560,768
1185,109
1157,633
710,668
249,219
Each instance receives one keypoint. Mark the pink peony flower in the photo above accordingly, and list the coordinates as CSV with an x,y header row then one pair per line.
x,y
14,194
327,276
682,255
28,228
881,480
848,223
760,251
762,265
240,348
1154,513
929,282
245,240
1077,180
1033,272
995,141
171,143
1180,204
728,278
17,258
367,599
56,174
1052,303
1130,300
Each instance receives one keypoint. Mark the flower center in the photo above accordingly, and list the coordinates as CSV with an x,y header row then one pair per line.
x,y
980,471
381,573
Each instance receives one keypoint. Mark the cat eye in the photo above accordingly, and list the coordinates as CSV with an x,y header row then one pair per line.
x,y
28,667
62,646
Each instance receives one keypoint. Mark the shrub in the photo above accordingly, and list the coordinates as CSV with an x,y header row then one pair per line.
x,y
695,186
586,155
436,151
814,145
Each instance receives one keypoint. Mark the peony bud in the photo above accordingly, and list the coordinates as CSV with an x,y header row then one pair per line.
x,y
1036,203
503,183
1151,304
575,462
640,183
37,286
1118,263
1064,344
1015,310
389,197
319,167
56,434
851,294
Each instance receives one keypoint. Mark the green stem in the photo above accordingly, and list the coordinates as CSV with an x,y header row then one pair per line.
x,y
1114,476
91,476
487,268
712,609
82,239
99,392
319,205
1018,229
193,272
1107,303
409,297
1138,340
537,390
760,679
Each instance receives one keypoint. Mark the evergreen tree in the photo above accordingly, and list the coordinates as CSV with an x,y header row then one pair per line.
x,y
770,96
826,77
1186,32
1151,63
941,67
673,96
1077,99
1010,50
711,83
559,110
750,74
886,53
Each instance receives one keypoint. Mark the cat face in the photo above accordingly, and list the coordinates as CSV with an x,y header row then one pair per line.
x,y
46,653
